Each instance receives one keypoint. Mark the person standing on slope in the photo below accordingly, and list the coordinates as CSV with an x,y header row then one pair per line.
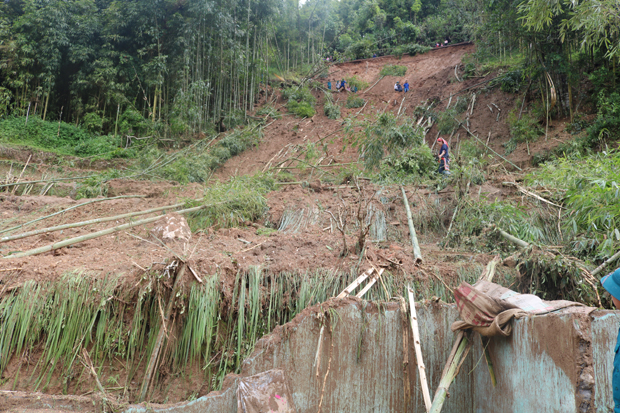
x,y
444,156
406,86
611,283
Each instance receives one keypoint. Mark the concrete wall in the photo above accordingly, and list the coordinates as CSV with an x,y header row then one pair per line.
x,y
552,363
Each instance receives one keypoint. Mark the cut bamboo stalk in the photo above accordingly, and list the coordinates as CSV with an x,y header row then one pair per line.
x,y
87,237
513,239
417,254
21,174
48,180
160,336
372,282
89,222
347,291
482,142
368,90
449,373
603,265
418,351
68,209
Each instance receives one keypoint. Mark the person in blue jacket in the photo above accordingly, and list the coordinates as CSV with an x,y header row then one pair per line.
x,y
406,86
611,283
329,85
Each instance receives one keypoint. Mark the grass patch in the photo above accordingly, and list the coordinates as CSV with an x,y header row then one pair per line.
x,y
354,102
234,202
66,139
300,101
354,81
331,110
393,70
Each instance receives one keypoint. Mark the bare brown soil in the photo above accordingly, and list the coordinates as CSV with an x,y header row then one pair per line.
x,y
316,244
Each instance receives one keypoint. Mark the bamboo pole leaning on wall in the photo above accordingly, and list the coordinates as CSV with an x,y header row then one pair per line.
x,y
417,254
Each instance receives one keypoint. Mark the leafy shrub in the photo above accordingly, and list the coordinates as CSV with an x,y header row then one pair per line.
x,y
446,121
606,126
268,110
511,81
232,203
413,162
461,105
301,109
332,111
385,135
354,102
300,101
354,81
526,129
393,70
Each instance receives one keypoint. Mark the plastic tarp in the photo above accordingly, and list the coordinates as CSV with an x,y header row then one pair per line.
x,y
266,392
488,308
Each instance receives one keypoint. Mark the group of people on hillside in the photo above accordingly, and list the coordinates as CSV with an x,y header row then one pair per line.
x,y
342,86
401,88
445,43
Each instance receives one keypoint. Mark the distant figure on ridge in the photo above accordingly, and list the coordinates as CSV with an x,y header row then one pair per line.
x,y
374,55
406,86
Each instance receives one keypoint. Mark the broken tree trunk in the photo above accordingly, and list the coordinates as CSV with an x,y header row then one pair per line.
x,y
86,237
417,254
160,337
459,351
418,351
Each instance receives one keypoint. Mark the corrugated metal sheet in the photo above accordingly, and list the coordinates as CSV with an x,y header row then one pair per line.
x,y
545,366
604,332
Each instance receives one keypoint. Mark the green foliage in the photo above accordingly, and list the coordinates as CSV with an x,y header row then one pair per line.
x,y
268,110
197,162
606,126
393,70
354,102
300,101
588,187
446,121
408,164
410,49
385,135
232,203
526,129
331,110
355,81
66,140
512,81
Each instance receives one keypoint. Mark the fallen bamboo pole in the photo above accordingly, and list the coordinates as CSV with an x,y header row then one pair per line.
x,y
450,372
372,282
68,209
47,180
603,265
418,351
160,336
75,240
417,254
347,291
89,222
513,239
482,142
368,90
